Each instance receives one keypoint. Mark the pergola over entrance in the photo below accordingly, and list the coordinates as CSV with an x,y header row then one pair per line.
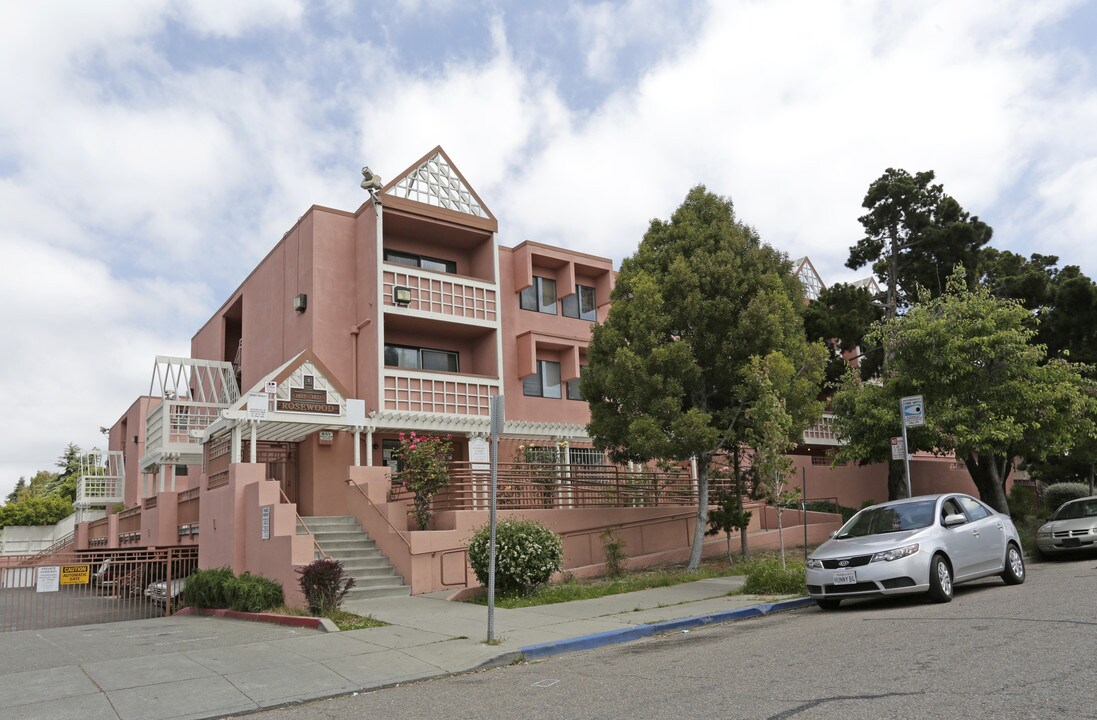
x,y
298,399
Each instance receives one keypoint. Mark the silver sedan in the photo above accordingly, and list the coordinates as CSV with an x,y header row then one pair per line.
x,y
924,544
1072,527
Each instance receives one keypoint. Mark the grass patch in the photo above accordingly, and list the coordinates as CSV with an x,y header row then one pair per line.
x,y
343,620
765,576
571,590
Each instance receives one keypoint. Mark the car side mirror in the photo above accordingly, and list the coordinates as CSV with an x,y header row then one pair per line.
x,y
954,520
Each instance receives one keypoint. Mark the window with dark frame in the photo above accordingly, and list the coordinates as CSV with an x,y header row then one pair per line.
x,y
574,393
545,383
581,305
540,296
420,261
415,358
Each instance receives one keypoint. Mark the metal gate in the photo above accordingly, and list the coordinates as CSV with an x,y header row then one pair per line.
x,y
81,588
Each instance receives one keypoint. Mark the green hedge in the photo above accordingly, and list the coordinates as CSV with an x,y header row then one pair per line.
x,y
1058,493
218,588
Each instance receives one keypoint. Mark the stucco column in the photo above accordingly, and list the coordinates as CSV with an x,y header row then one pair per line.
x,y
236,443
369,447
357,447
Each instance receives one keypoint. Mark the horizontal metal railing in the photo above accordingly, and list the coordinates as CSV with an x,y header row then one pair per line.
x,y
532,486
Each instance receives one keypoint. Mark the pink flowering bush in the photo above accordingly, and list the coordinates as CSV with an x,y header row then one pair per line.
x,y
425,470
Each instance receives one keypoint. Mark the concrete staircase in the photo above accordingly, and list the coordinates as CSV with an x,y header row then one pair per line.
x,y
343,539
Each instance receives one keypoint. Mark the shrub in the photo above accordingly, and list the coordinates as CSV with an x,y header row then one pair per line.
x,y
829,507
1058,493
325,584
614,548
765,576
253,593
425,470
1021,502
526,554
206,588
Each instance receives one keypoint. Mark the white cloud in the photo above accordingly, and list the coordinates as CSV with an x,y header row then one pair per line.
x,y
139,188
232,19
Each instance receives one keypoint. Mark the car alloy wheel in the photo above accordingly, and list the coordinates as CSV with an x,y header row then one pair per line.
x,y
1014,573
940,580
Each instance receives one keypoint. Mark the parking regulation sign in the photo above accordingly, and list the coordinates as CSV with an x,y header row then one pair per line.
x,y
914,411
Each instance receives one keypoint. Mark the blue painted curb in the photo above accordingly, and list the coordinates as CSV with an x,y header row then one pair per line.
x,y
613,637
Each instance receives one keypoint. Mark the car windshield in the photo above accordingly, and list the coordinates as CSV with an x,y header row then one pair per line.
x,y
889,519
1076,510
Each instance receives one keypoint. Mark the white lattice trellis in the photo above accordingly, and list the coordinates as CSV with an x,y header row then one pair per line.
x,y
436,183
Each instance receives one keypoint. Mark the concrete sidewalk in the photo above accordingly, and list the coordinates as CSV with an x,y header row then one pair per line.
x,y
205,667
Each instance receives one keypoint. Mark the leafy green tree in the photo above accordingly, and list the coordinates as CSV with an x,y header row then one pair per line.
x,y
668,372
915,235
42,510
991,394
771,436
840,317
18,491
727,514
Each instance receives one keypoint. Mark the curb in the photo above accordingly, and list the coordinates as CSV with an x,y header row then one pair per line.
x,y
313,623
613,637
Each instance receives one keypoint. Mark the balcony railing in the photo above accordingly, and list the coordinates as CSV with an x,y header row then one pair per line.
x,y
444,295
822,432
169,426
449,393
102,479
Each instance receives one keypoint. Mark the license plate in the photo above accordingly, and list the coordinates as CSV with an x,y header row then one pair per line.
x,y
1072,542
845,577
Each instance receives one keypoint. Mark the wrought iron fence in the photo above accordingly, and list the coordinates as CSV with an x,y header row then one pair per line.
x,y
80,588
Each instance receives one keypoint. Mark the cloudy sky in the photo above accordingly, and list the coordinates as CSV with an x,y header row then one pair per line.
x,y
152,152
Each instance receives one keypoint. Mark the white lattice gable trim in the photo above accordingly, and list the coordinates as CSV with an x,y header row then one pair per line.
x,y
808,277
194,379
303,386
435,181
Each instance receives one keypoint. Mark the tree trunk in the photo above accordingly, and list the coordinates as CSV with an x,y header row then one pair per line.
x,y
737,472
897,480
989,472
702,514
781,536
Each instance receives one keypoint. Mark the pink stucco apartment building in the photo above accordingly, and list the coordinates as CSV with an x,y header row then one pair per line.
x,y
407,314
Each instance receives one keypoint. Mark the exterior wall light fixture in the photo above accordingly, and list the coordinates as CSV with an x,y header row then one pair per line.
x,y
401,295
300,302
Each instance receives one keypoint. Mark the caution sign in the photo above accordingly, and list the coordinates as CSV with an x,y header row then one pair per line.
x,y
75,574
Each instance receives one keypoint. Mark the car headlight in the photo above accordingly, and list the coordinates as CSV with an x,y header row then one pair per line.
x,y
814,564
896,554
1043,534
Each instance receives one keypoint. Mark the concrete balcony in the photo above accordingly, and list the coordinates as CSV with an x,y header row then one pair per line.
x,y
441,296
822,432
168,435
416,391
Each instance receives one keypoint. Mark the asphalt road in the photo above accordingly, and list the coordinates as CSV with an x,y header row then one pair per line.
x,y
993,652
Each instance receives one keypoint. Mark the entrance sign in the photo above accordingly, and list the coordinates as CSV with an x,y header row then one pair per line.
x,y
479,455
49,579
914,411
257,406
356,411
898,448
265,530
75,574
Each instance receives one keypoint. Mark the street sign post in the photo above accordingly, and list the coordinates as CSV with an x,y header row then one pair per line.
x,y
912,410
898,448
496,410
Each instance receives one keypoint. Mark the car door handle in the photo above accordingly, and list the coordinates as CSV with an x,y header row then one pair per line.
x,y
975,533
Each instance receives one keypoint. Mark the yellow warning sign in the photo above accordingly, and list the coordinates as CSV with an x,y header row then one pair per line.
x,y
75,574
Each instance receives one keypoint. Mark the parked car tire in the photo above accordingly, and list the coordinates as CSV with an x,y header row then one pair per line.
x,y
828,603
940,580
1014,572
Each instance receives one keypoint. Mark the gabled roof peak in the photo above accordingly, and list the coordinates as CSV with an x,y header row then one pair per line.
x,y
435,180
